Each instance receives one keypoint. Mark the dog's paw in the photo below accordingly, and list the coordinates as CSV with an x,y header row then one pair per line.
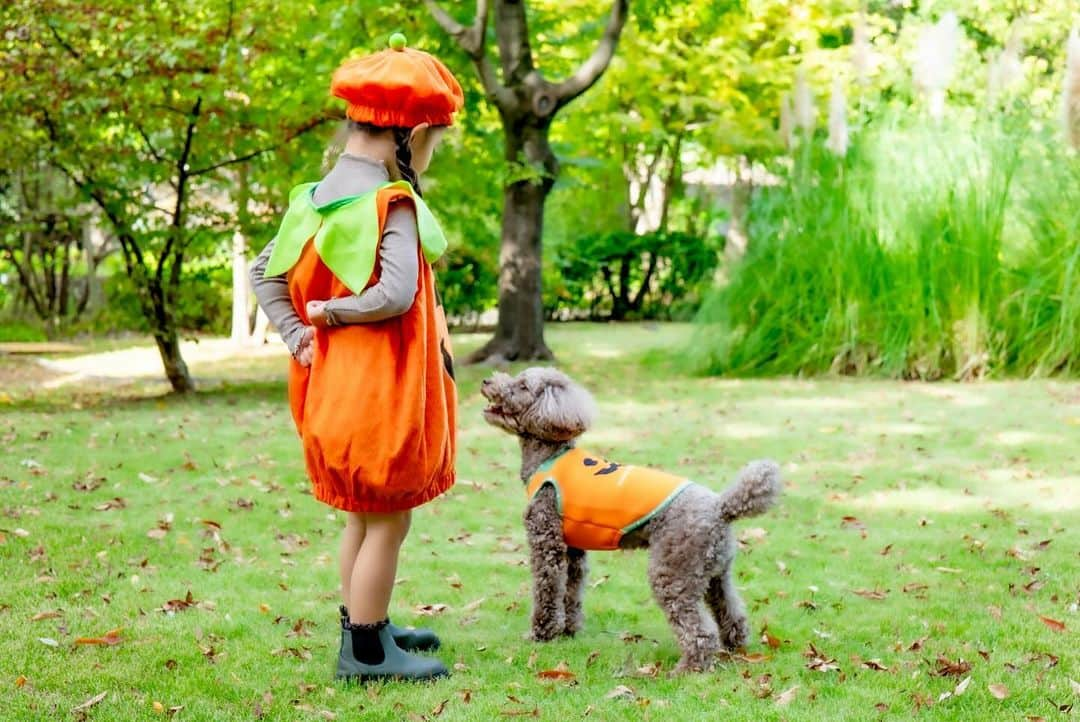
x,y
545,634
735,633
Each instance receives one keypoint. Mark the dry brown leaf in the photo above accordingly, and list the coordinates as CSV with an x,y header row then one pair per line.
x,y
771,641
651,669
20,681
875,665
178,605
948,668
46,615
90,702
999,691
917,644
439,708
787,696
914,587
1053,623
593,656
109,639
881,707
429,610
753,658
466,695
876,594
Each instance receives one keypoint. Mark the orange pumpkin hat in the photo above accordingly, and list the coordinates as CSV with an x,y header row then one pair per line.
x,y
398,88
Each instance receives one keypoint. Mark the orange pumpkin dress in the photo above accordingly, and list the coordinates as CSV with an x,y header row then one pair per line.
x,y
376,410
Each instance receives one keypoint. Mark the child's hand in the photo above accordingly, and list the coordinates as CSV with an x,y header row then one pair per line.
x,y
316,312
305,350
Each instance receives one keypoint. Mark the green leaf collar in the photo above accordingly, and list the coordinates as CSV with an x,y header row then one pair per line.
x,y
346,233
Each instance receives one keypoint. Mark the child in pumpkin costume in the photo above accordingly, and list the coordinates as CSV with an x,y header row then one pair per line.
x,y
348,283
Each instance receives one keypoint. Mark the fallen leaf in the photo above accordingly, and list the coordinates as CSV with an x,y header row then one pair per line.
x,y
1075,686
114,503
753,658
48,642
159,707
109,639
914,587
819,662
179,605
90,702
947,668
439,708
881,707
995,612
20,681
1053,623
771,641
46,615
593,656
962,687
875,665
429,610
999,691
876,594
785,698
651,669
621,692
949,570
466,695
561,673
753,534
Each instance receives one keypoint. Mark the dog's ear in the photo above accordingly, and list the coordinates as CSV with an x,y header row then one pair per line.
x,y
563,411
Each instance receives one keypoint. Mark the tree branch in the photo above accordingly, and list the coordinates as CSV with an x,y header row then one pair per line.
x,y
471,40
594,67
305,128
63,43
182,172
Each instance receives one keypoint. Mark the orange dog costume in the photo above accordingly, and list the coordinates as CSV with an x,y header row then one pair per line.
x,y
376,410
599,501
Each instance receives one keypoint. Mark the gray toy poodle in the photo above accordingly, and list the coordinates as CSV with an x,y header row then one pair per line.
x,y
580,501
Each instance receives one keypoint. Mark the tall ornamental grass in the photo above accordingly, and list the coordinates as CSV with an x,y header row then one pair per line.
x,y
933,249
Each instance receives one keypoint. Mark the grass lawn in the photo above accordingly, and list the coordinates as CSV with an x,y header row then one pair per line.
x,y
925,558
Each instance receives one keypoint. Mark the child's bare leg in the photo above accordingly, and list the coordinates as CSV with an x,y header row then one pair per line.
x,y
351,539
373,573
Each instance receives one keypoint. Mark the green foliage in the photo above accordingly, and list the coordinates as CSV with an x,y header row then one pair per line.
x,y
16,330
203,304
623,275
920,256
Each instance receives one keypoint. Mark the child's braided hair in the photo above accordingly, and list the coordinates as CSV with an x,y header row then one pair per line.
x,y
404,152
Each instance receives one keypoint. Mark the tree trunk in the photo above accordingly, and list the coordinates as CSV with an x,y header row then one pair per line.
x,y
241,311
241,315
176,369
738,235
519,333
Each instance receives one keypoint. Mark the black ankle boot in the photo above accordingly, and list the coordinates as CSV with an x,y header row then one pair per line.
x,y
410,640
368,652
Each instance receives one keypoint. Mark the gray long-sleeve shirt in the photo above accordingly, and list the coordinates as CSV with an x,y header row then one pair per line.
x,y
399,259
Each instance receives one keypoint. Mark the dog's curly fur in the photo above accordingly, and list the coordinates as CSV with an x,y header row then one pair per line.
x,y
690,542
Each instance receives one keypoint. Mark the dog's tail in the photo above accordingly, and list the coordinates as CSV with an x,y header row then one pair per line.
x,y
754,492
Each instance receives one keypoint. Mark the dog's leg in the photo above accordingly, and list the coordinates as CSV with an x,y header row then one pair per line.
x,y
547,557
576,569
679,592
727,607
